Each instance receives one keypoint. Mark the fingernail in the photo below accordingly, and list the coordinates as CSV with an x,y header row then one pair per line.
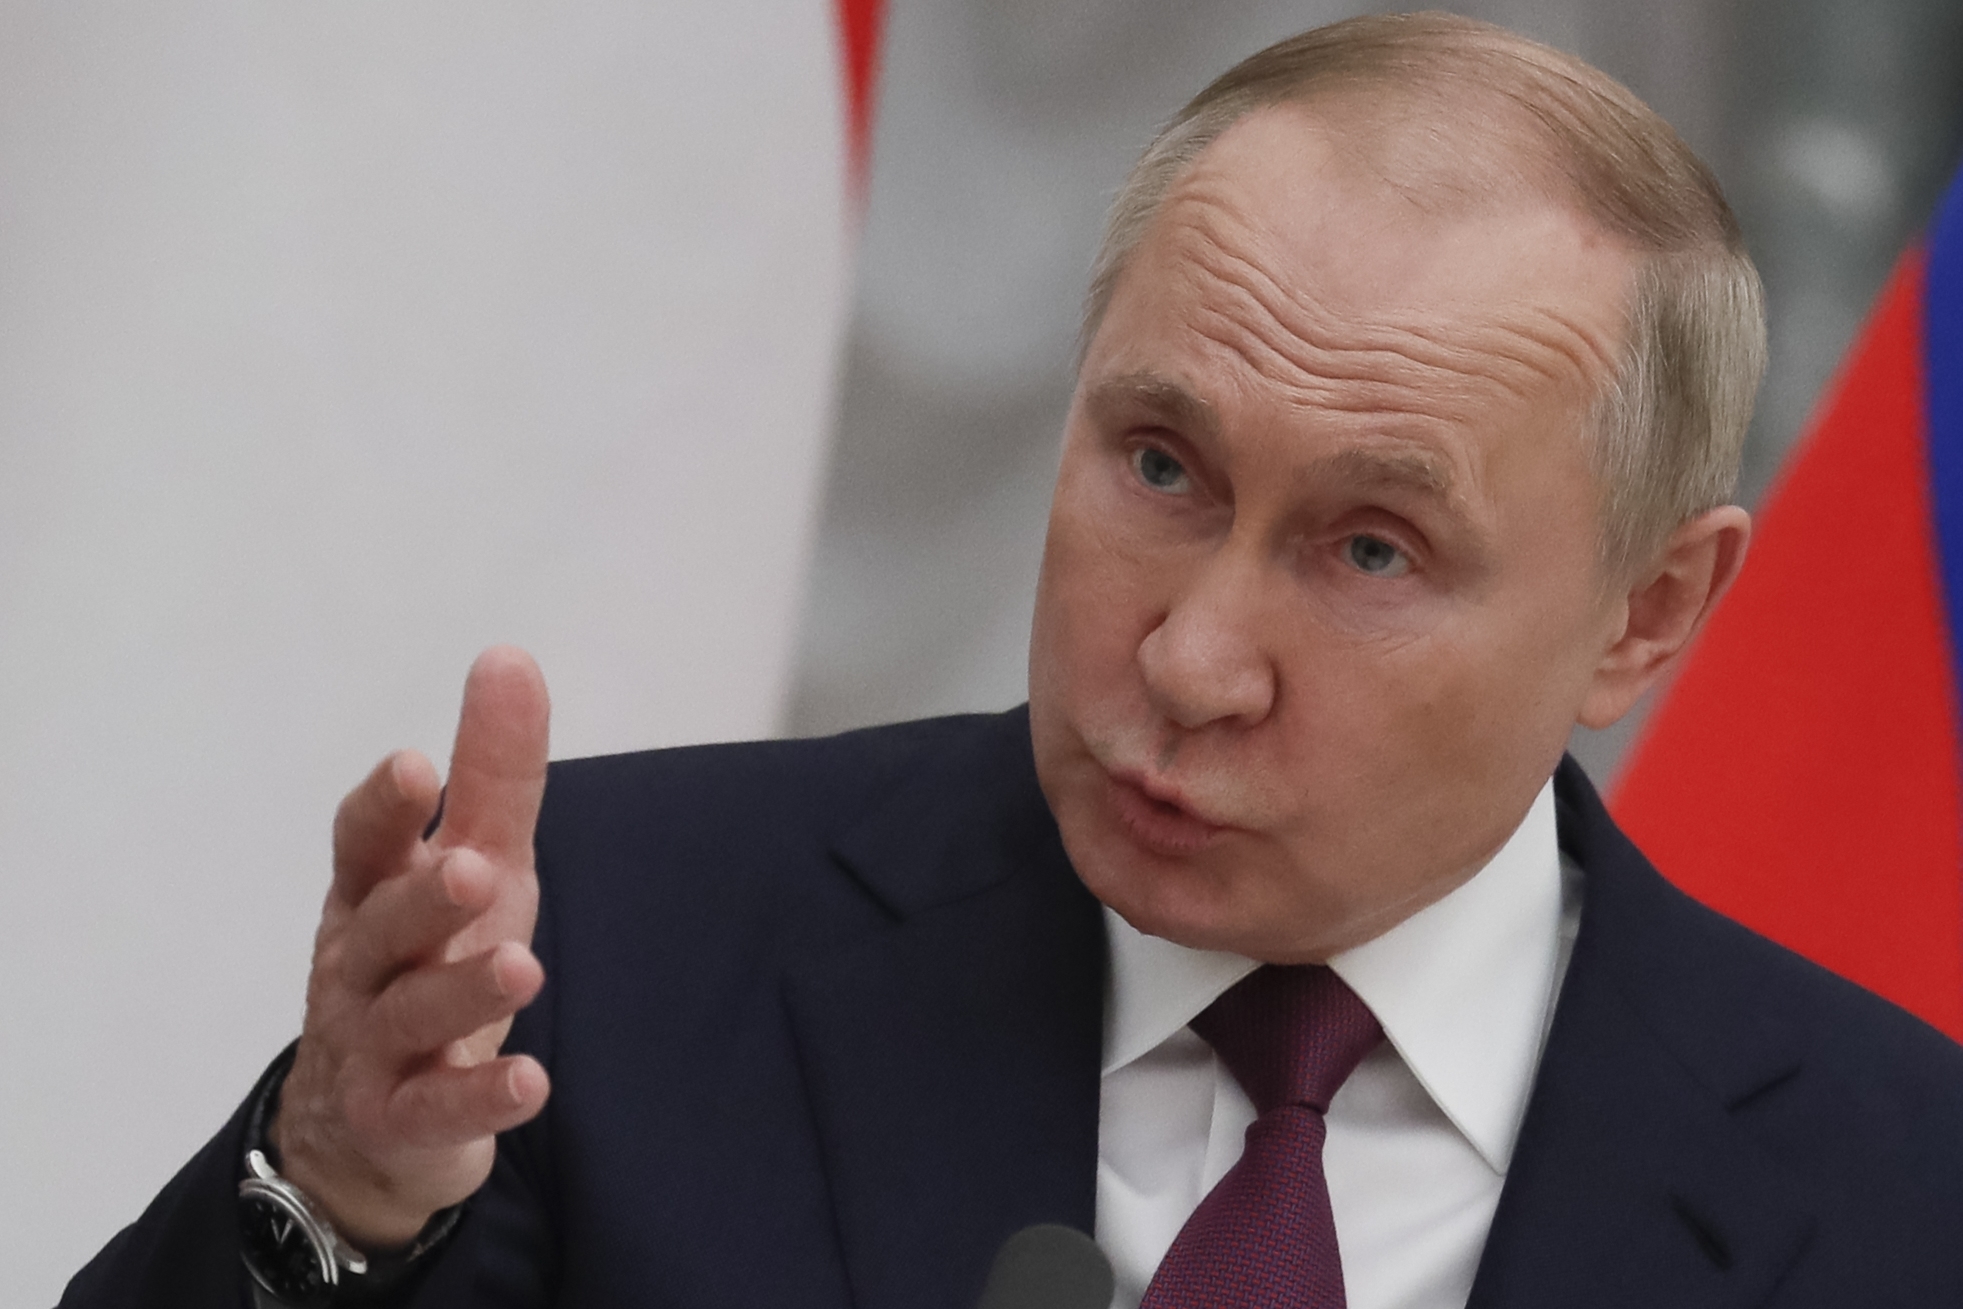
x,y
446,880
501,969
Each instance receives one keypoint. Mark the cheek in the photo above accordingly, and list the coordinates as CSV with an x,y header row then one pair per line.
x,y
1397,762
1487,702
1555,611
1549,649
1394,725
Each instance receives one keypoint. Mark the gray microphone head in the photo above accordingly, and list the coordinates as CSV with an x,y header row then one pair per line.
x,y
1048,1266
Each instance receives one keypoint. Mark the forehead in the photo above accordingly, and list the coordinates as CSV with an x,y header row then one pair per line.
x,y
1286,261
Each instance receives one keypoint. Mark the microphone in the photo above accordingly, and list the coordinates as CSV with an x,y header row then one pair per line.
x,y
1048,1266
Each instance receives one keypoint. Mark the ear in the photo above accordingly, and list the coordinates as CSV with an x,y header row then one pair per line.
x,y
1664,608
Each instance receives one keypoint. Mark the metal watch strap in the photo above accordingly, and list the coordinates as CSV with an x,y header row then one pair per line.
x,y
362,1279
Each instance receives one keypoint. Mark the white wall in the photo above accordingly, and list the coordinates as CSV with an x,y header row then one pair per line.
x,y
337,341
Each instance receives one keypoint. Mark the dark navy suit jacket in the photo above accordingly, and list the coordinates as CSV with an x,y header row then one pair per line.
x,y
823,1020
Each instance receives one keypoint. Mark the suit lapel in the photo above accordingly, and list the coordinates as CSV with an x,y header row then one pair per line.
x,y
1633,1182
952,1061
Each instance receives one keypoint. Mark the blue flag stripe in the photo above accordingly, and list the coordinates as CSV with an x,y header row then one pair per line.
x,y
1942,339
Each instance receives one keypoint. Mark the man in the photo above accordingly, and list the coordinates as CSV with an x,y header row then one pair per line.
x,y
1416,366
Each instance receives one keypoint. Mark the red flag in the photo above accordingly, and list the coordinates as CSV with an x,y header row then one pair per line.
x,y
1802,772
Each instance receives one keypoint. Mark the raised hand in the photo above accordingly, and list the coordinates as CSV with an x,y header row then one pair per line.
x,y
423,956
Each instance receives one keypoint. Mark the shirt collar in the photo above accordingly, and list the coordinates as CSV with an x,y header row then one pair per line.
x,y
1463,987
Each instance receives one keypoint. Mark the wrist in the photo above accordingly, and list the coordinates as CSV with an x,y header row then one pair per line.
x,y
365,1215
293,1243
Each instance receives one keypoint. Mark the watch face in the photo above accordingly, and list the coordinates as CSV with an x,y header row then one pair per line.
x,y
279,1253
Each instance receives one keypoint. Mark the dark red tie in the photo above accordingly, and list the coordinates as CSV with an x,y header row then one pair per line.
x,y
1265,1235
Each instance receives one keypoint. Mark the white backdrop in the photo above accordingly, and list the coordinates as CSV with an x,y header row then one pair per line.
x,y
336,342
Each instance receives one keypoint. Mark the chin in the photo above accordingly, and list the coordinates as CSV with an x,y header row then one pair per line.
x,y
1209,903
1177,900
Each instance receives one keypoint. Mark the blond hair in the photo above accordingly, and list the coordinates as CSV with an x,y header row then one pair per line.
x,y
1669,423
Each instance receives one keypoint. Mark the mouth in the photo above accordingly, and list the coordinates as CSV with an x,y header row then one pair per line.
x,y
1158,817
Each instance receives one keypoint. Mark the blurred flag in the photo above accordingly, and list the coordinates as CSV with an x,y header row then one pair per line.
x,y
860,23
1802,772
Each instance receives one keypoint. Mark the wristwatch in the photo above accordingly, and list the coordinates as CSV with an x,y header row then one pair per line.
x,y
288,1243
289,1247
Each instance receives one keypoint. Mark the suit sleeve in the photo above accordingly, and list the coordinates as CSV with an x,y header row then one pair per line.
x,y
184,1250
185,1247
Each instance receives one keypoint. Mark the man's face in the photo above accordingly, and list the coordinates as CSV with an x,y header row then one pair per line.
x,y
1320,597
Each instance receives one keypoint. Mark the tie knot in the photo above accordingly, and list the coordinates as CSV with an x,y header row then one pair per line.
x,y
1290,1034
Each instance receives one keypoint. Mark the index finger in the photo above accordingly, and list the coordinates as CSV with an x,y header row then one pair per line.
x,y
497,770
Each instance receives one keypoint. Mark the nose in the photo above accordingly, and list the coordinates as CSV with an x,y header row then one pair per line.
x,y
1206,663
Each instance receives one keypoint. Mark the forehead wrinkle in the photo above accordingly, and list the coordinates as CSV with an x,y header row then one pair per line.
x,y
1516,351
1544,339
1331,385
1299,330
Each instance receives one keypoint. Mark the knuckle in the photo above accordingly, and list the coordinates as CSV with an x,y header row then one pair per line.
x,y
326,997
330,961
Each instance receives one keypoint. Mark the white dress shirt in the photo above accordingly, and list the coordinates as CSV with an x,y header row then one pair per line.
x,y
1419,1136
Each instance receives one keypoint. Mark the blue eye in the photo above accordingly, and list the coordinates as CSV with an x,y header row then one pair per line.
x,y
1376,557
1159,470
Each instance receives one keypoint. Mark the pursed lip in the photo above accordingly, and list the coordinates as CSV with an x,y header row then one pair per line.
x,y
1158,816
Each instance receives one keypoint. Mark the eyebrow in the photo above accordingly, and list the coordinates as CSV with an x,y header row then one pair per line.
x,y
1159,396
1391,470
